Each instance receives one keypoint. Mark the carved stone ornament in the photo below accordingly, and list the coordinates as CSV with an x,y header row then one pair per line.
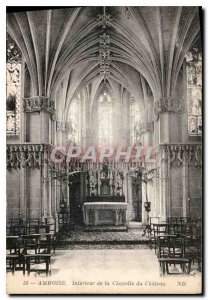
x,y
39,103
104,56
179,154
23,155
127,13
104,20
167,104
63,126
60,126
145,127
13,52
92,181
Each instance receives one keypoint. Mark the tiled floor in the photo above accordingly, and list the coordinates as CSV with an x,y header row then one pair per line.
x,y
104,271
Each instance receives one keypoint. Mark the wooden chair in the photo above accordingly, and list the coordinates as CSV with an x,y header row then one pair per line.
x,y
179,229
16,221
14,255
169,246
171,252
52,232
158,230
32,225
38,252
178,220
18,230
16,227
64,222
166,262
192,249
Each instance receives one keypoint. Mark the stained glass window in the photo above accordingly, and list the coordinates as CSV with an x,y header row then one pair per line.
x,y
194,91
134,120
105,120
74,120
13,83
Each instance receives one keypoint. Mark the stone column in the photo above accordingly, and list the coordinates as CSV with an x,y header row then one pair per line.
x,y
167,117
129,199
166,111
23,204
146,131
185,187
39,112
165,196
60,131
116,217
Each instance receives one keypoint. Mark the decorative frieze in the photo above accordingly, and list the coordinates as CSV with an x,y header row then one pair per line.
x,y
39,103
26,155
167,104
178,154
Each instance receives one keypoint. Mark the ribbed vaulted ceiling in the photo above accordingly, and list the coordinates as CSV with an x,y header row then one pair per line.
x,y
146,44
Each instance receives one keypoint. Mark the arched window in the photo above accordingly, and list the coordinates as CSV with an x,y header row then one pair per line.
x,y
194,91
134,120
13,84
104,120
74,120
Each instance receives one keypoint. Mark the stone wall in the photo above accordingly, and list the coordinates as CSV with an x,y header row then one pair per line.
x,y
13,193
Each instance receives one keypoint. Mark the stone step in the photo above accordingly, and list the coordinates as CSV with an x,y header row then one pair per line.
x,y
106,229
67,242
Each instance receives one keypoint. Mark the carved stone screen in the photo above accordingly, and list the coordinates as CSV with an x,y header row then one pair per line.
x,y
13,91
194,91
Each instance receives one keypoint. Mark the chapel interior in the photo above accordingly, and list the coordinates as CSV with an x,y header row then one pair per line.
x,y
95,77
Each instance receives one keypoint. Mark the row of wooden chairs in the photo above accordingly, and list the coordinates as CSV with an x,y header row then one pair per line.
x,y
27,251
18,226
161,229
170,241
176,242
183,220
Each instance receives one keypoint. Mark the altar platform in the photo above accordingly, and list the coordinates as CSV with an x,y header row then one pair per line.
x,y
105,213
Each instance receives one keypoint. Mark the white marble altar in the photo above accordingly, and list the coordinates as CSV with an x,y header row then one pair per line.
x,y
105,213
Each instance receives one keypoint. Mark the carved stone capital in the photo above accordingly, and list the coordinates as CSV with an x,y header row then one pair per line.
x,y
63,126
39,103
145,127
60,126
167,104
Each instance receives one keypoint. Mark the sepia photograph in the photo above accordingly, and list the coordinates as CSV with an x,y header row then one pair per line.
x,y
104,149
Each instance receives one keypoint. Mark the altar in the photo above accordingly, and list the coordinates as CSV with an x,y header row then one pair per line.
x,y
105,213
